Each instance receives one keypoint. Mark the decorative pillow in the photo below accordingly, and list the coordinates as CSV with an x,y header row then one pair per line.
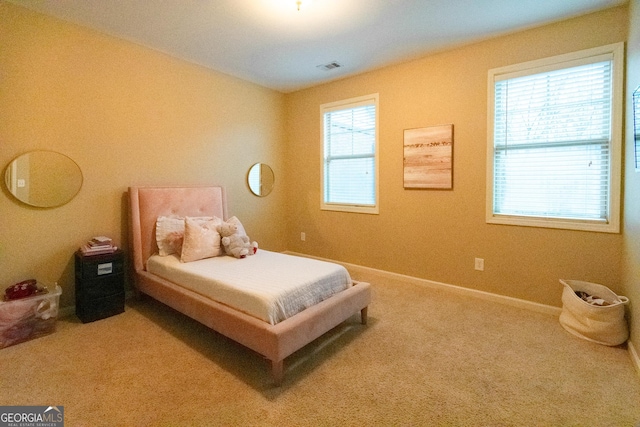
x,y
201,239
170,233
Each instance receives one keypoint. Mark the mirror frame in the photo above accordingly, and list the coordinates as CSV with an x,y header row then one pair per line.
x,y
66,180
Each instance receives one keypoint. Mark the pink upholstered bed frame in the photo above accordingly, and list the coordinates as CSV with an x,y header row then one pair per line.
x,y
275,342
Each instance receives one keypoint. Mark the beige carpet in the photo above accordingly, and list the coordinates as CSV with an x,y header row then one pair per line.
x,y
426,358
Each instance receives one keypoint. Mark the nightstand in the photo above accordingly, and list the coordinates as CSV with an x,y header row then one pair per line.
x,y
99,285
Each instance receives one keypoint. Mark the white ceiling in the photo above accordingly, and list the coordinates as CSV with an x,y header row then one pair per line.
x,y
271,43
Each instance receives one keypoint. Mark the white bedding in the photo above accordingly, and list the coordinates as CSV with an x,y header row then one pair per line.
x,y
268,285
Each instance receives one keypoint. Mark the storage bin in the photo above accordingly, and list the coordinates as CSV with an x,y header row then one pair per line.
x,y
28,318
604,324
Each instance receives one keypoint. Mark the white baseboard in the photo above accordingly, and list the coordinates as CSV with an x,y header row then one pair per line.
x,y
488,296
634,356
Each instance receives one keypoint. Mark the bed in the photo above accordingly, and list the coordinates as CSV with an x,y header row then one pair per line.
x,y
274,338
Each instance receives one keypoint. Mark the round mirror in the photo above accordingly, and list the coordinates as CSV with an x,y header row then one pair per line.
x,y
43,179
260,179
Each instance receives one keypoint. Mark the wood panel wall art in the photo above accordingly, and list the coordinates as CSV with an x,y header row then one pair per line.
x,y
428,157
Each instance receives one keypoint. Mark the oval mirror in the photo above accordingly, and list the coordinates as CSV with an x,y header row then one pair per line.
x,y
44,179
261,179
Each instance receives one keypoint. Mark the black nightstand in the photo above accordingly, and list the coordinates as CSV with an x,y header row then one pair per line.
x,y
99,285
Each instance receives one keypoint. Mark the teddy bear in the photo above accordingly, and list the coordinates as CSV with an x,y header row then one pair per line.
x,y
235,243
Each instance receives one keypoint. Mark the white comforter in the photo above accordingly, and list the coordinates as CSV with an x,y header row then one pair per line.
x,y
268,285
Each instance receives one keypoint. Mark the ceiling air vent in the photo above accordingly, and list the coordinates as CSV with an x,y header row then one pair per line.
x,y
329,66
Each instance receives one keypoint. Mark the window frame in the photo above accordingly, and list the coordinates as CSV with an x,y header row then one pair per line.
x,y
372,99
612,224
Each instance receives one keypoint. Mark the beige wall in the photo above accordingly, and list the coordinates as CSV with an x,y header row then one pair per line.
x,y
437,234
631,270
128,116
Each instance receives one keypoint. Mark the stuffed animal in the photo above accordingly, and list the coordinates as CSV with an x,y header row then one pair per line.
x,y
235,243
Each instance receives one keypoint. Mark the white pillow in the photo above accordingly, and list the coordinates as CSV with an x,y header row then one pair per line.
x,y
170,233
201,239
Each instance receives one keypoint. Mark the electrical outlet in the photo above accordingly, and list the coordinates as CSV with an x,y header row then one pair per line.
x,y
303,236
479,264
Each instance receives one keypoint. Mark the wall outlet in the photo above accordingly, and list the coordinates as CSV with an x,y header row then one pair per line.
x,y
479,265
303,236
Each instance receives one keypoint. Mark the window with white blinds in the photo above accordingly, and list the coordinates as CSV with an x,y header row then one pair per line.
x,y
350,155
555,142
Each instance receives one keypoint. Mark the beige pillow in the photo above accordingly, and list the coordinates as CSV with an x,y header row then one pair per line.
x,y
201,240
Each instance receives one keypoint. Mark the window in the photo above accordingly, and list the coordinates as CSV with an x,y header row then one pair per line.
x,y
554,141
350,155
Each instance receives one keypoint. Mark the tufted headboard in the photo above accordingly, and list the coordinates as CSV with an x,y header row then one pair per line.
x,y
146,204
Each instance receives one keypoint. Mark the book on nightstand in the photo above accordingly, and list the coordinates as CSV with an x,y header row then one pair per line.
x,y
99,245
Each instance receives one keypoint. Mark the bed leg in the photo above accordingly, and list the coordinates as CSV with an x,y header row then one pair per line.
x,y
363,315
277,371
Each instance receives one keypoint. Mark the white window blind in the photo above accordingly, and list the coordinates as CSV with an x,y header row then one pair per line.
x,y
553,141
636,128
350,155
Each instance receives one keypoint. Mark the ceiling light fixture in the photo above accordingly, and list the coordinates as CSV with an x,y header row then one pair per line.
x,y
302,3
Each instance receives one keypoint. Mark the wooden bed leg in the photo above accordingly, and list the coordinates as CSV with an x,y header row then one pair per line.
x,y
363,315
277,371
